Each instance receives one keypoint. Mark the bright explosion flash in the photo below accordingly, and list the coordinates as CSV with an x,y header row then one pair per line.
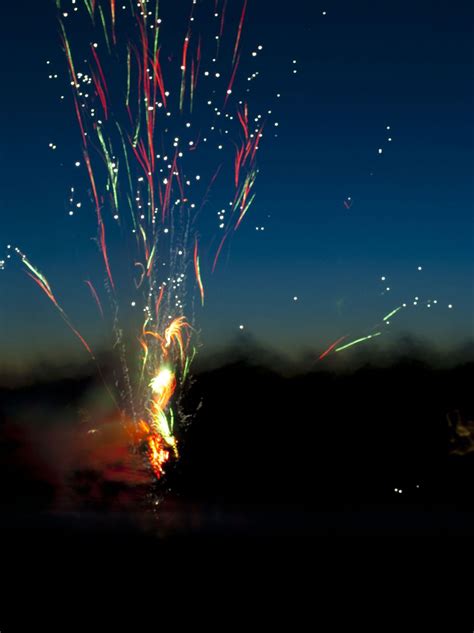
x,y
163,383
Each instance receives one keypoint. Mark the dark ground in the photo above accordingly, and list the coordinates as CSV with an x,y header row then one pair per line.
x,y
281,477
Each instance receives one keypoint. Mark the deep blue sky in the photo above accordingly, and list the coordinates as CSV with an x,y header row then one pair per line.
x,y
362,67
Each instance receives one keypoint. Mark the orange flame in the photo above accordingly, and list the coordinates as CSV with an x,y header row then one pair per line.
x,y
157,452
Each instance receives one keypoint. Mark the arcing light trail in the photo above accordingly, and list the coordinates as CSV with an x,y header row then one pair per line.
x,y
376,330
162,117
357,341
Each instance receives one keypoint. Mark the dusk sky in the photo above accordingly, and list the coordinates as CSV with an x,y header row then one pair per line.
x,y
338,214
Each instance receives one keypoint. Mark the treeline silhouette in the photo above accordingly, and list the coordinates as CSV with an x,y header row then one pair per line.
x,y
259,436
325,438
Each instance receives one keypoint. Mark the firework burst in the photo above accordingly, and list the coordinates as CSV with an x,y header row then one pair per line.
x,y
155,95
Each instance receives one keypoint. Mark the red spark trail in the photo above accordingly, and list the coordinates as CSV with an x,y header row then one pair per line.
x,y
239,32
331,347
95,295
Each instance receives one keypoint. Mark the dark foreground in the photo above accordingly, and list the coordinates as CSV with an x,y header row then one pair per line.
x,y
287,486
389,449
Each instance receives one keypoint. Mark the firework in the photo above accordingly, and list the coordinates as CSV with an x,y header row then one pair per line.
x,y
160,125
381,326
